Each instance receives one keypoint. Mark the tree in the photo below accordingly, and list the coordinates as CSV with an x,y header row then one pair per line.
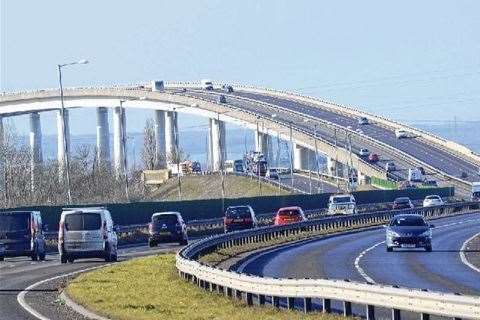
x,y
148,152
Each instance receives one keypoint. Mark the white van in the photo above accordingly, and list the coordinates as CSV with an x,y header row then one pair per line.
x,y
86,233
207,84
401,133
342,204
415,175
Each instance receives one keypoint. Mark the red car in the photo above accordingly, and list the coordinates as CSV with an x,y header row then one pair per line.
x,y
373,157
289,215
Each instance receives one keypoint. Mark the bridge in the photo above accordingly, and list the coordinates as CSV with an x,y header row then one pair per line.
x,y
315,128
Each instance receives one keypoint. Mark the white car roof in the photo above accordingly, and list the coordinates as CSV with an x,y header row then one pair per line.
x,y
156,214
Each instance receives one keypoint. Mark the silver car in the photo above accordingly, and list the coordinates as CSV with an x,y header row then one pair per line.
x,y
86,233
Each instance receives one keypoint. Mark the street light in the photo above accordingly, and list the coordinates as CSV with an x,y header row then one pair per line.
x,y
62,115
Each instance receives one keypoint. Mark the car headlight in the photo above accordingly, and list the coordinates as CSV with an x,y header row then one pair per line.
x,y
392,234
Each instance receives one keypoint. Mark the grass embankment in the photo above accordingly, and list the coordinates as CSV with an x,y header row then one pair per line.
x,y
210,187
150,288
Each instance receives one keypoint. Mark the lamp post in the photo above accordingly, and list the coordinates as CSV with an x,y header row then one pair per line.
x,y
124,147
62,115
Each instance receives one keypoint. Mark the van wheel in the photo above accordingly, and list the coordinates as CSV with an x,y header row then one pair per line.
x,y
2,258
114,258
152,244
63,258
71,260
389,249
42,256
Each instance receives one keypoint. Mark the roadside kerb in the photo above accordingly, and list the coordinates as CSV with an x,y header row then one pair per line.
x,y
419,301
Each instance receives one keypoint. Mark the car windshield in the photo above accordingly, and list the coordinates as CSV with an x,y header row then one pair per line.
x,y
83,221
289,212
408,222
238,212
402,200
165,219
14,222
341,199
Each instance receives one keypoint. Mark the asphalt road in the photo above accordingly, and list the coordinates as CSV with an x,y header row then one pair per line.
x,y
16,274
362,256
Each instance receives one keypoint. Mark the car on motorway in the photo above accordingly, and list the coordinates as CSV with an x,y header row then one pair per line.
x,y
408,231
206,84
22,234
429,183
390,166
86,233
363,121
373,157
239,218
222,99
272,173
358,130
342,204
475,191
288,215
364,152
415,175
167,227
227,88
432,200
401,133
402,203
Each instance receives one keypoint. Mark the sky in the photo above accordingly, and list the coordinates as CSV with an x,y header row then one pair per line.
x,y
413,61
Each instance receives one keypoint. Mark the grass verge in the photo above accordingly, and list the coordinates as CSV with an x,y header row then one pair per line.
x,y
149,288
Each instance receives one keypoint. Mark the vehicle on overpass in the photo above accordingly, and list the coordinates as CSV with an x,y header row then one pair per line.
x,y
206,84
432,200
239,218
415,175
364,152
373,158
401,133
475,191
288,215
221,99
402,203
363,121
21,234
86,233
408,231
272,173
238,166
429,183
256,163
390,166
342,204
167,227
227,88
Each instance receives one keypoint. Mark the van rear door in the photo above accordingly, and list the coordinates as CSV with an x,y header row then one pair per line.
x,y
15,232
83,231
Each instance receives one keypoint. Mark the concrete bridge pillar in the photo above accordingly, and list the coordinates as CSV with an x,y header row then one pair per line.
x,y
171,136
160,153
333,167
2,158
119,136
63,142
217,146
35,137
103,137
264,144
300,157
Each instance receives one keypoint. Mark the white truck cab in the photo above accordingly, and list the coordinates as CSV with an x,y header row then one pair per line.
x,y
207,84
342,204
415,175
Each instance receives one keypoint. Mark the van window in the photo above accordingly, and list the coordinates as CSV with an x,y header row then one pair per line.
x,y
14,222
83,221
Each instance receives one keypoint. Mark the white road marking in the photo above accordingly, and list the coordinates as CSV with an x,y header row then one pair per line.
x,y
462,253
357,262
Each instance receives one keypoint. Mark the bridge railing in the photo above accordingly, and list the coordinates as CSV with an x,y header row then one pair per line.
x,y
245,286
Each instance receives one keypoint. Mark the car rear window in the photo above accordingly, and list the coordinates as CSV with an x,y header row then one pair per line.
x,y
240,212
14,222
83,221
166,219
432,197
402,200
408,222
289,212
341,199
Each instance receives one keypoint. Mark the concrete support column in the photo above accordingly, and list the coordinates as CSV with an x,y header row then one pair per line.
x,y
218,151
63,142
160,153
171,135
103,137
264,144
119,133
2,158
300,157
333,167
35,138
311,162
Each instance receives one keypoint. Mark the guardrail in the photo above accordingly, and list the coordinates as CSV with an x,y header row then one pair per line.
x,y
247,287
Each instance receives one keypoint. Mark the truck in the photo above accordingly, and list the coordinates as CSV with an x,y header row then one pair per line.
x,y
207,84
342,204
255,163
476,191
415,175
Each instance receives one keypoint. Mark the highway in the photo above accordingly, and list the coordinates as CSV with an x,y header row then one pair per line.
x,y
16,274
302,183
361,256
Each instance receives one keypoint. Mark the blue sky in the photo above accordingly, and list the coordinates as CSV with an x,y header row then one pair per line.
x,y
409,60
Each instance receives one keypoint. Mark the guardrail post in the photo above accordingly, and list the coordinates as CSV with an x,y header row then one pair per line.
x,y
347,308
327,306
238,294
424,316
249,298
228,291
290,303
396,314
307,305
276,302
261,300
219,289
370,312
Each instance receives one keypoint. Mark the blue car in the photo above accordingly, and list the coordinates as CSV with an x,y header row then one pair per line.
x,y
409,231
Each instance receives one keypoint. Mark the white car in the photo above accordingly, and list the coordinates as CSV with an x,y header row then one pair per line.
x,y
364,152
342,204
432,200
401,133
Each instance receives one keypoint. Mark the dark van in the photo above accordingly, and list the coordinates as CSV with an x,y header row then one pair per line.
x,y
21,234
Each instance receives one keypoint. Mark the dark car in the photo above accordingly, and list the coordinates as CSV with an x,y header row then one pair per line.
x,y
402,203
373,158
167,227
239,218
222,99
21,234
408,231
227,88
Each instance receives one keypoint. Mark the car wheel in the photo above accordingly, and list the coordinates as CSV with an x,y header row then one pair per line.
x,y
42,256
152,244
71,260
114,258
389,249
